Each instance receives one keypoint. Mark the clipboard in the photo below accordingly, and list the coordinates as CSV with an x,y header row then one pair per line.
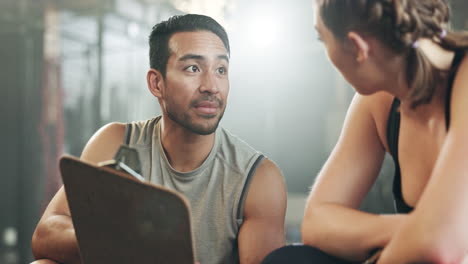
x,y
120,219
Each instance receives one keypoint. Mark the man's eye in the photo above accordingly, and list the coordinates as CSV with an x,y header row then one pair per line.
x,y
192,68
222,70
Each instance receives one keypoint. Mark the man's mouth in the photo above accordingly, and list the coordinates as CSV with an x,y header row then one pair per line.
x,y
207,107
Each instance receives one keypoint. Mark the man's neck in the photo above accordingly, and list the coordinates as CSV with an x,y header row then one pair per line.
x,y
185,150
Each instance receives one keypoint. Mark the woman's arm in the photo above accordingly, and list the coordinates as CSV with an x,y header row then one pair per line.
x,y
332,221
437,231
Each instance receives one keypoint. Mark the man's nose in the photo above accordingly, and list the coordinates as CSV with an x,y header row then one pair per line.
x,y
208,83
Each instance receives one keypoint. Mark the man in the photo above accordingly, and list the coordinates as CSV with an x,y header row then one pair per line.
x,y
238,199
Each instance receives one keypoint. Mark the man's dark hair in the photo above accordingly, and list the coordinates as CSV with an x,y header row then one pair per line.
x,y
162,32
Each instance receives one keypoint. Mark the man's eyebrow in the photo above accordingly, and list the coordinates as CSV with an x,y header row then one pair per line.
x,y
224,57
191,57
200,57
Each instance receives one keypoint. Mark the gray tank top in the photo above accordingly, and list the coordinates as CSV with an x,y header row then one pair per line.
x,y
216,190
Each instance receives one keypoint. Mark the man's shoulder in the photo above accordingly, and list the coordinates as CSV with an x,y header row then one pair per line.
x,y
232,141
141,132
235,152
144,123
104,143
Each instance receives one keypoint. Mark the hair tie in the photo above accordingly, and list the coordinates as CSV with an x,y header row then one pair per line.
x,y
415,44
443,34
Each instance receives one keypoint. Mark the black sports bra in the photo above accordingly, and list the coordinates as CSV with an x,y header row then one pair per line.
x,y
393,131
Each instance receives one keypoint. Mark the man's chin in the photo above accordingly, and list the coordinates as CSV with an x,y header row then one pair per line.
x,y
208,124
203,130
199,124
208,116
204,133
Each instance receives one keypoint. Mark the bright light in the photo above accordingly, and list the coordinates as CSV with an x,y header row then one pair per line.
x,y
264,32
213,8
133,29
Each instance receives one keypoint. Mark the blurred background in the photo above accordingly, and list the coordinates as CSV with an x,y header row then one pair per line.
x,y
68,67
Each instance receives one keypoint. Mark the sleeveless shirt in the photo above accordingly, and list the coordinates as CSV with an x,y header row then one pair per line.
x,y
216,190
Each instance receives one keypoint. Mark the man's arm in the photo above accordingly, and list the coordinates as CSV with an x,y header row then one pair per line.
x,y
265,207
54,237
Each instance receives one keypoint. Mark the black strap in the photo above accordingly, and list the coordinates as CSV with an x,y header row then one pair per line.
x,y
128,133
393,132
459,54
393,129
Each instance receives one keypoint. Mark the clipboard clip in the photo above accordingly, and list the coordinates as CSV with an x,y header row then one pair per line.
x,y
126,159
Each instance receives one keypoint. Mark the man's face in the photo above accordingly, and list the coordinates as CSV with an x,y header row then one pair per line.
x,y
196,85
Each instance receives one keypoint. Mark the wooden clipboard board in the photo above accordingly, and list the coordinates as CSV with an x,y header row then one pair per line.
x,y
119,219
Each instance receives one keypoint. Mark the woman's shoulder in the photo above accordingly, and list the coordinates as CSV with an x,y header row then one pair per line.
x,y
379,106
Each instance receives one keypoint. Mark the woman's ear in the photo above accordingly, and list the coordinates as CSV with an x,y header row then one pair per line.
x,y
155,82
360,45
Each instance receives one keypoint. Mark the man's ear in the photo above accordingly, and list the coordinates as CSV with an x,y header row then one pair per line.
x,y
155,82
360,45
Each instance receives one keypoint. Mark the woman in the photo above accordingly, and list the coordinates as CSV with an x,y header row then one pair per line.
x,y
411,78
